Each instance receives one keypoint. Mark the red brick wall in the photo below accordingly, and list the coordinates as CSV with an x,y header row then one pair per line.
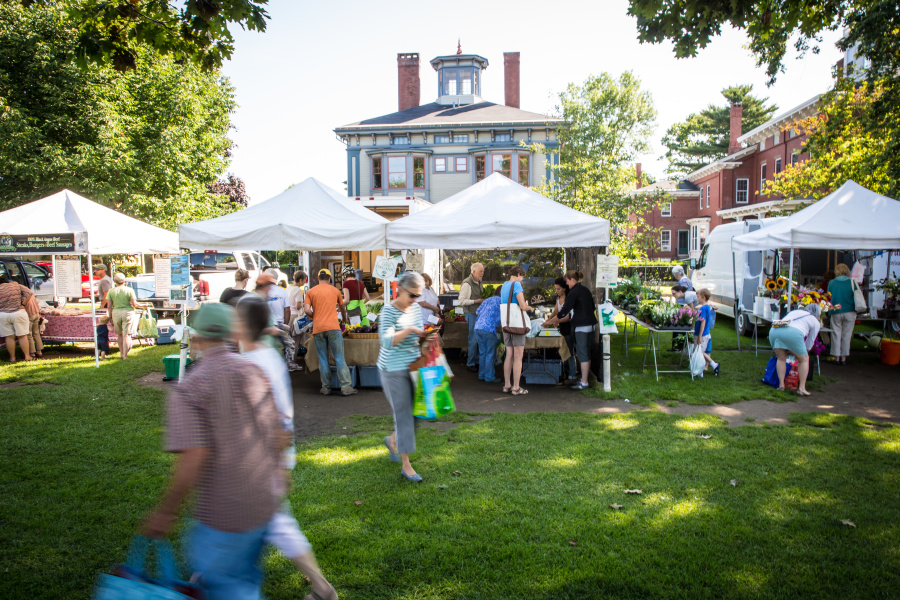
x,y
511,78
408,80
682,210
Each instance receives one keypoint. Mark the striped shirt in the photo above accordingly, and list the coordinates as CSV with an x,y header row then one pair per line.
x,y
390,321
225,404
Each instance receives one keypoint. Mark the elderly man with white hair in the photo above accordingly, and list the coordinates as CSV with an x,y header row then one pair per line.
x,y
470,299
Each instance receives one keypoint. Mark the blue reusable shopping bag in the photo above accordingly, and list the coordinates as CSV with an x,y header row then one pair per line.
x,y
771,376
129,581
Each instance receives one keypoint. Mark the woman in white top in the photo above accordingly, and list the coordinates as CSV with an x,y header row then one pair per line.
x,y
428,300
796,339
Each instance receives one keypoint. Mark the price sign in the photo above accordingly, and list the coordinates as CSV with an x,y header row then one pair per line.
x,y
162,277
414,262
607,271
67,277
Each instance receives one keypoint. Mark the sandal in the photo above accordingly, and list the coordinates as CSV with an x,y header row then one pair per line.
x,y
507,389
803,393
519,391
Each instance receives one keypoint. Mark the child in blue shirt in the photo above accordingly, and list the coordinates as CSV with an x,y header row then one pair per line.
x,y
702,335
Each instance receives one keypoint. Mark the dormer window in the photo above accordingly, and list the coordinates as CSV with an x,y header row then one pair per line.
x,y
459,80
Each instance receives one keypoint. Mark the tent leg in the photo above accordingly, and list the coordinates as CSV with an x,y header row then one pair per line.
x,y
790,279
737,304
93,313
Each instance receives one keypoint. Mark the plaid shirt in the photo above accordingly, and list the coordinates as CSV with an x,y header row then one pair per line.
x,y
13,296
225,404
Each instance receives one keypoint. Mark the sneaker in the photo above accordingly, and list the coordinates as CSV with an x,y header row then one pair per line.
x,y
325,391
349,391
580,386
472,369
716,370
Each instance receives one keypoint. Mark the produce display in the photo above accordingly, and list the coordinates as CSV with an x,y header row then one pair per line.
x,y
632,292
69,311
450,316
373,328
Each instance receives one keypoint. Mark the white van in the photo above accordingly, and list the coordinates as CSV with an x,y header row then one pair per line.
x,y
715,269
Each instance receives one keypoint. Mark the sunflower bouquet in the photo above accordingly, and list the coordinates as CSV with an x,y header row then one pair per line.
x,y
774,288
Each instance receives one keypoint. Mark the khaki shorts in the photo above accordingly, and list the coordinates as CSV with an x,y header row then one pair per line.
x,y
123,318
513,339
14,323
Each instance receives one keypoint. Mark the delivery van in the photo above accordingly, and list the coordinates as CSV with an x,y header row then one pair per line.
x,y
718,271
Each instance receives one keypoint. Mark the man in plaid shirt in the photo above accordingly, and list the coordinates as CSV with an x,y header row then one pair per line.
x,y
228,436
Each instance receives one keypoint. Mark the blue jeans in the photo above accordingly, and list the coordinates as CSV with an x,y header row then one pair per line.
x,y
332,339
487,353
228,563
472,359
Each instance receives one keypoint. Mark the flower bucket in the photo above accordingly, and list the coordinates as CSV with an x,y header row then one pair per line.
x,y
890,352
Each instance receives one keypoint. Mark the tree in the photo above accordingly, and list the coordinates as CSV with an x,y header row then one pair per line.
x,y
146,142
703,137
116,33
850,138
608,124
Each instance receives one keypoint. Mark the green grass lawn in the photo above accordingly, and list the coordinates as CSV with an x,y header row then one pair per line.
x,y
528,516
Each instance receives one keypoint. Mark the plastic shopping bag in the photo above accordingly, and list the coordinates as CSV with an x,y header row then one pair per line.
x,y
433,398
130,582
147,326
698,363
607,314
792,377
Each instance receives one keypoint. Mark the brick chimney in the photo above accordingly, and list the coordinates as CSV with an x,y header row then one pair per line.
x,y
737,115
408,80
511,78
637,173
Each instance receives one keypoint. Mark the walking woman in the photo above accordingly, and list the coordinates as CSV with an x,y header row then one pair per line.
x,y
796,339
843,316
401,333
512,296
580,302
123,303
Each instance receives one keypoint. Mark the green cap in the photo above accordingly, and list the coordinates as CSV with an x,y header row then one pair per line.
x,y
214,320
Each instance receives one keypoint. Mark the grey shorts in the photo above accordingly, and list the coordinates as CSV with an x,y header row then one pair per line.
x,y
583,341
511,339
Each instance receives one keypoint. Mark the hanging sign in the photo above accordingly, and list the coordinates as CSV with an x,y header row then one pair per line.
x,y
607,271
385,268
415,262
67,277
180,270
43,244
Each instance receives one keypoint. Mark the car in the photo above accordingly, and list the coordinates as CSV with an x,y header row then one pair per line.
x,y
33,276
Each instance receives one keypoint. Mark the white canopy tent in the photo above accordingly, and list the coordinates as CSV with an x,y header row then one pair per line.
x,y
307,217
497,213
97,230
850,218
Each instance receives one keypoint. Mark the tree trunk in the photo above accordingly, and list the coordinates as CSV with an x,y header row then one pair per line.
x,y
585,260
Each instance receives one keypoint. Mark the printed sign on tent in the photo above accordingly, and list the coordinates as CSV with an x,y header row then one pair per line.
x,y
385,268
162,276
415,262
67,277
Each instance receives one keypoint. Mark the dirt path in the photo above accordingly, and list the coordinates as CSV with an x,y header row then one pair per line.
x,y
863,390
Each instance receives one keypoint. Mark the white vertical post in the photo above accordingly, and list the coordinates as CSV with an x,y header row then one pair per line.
x,y
790,279
185,336
607,384
387,284
93,310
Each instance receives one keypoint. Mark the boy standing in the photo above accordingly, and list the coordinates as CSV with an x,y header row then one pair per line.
x,y
702,335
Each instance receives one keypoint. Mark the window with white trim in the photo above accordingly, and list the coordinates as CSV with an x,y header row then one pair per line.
x,y
461,139
795,157
665,240
742,191
400,140
461,164
440,164
701,197
778,165
762,176
442,139
396,171
502,137
665,209
708,194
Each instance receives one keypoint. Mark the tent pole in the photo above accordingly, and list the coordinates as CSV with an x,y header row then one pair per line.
x,y
93,312
790,279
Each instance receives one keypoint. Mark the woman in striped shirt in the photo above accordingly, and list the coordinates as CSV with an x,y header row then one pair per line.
x,y
400,331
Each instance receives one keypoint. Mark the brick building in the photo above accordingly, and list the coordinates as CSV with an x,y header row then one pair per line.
x,y
728,189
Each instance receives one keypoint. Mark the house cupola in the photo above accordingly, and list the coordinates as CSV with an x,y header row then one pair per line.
x,y
459,78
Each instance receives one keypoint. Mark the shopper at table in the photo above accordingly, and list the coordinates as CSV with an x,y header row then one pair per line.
x,y
233,294
684,296
469,299
13,317
486,334
843,316
564,324
35,343
295,293
797,339
580,302
104,285
512,295
322,303
353,288
683,280
428,301
283,532
123,303
400,332
279,311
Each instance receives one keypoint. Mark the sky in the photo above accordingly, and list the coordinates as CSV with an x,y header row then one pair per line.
x,y
326,64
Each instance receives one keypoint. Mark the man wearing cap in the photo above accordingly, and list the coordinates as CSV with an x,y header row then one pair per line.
x,y
228,435
321,304
104,285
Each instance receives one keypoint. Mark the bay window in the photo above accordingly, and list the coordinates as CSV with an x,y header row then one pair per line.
x,y
397,171
524,169
501,163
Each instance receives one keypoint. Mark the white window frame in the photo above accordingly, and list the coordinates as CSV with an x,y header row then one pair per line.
x,y
461,139
665,240
456,160
777,166
400,140
442,159
737,191
701,197
503,134
795,157
708,188
777,138
665,209
762,175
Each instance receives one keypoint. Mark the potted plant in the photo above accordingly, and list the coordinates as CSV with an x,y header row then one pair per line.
x,y
891,289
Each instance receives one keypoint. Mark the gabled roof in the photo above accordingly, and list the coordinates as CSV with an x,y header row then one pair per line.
x,y
768,128
673,187
729,162
436,115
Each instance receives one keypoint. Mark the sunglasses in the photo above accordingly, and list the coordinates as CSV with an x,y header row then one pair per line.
x,y
411,295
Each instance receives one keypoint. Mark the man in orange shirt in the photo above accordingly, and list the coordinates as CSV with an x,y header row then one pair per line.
x,y
321,304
